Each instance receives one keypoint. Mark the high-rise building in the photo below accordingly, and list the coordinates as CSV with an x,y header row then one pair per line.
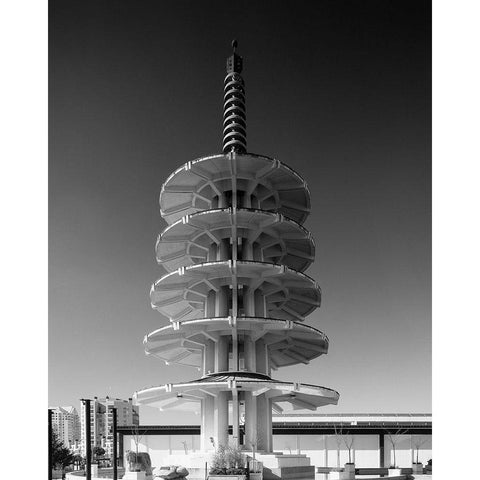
x,y
236,293
101,421
66,425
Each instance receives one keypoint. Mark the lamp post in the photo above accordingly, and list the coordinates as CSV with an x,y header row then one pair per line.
x,y
50,449
114,428
88,441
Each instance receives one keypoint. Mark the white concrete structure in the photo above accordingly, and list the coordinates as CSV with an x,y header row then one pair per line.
x,y
236,295
66,424
101,419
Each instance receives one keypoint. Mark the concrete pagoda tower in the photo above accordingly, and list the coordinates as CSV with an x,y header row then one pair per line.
x,y
236,293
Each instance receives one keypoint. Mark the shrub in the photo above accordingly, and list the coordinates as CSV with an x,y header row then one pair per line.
x,y
228,461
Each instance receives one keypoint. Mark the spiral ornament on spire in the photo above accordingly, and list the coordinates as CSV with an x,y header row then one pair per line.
x,y
234,112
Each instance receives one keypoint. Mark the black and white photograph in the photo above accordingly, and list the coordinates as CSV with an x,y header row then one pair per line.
x,y
238,244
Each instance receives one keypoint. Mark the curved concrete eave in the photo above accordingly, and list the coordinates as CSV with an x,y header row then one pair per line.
x,y
289,343
280,240
289,294
283,395
191,187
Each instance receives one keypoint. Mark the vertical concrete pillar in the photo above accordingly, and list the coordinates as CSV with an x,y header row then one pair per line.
x,y
249,354
259,300
247,250
222,301
209,357
210,305
221,357
263,423
222,200
257,252
212,252
235,418
224,249
208,422
325,455
261,358
248,301
250,420
269,425
221,419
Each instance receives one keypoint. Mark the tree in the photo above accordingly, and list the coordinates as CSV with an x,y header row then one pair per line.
x,y
98,452
137,436
338,440
417,443
62,457
78,461
347,440
394,438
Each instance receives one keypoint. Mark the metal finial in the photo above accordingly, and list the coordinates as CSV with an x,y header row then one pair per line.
x,y
234,116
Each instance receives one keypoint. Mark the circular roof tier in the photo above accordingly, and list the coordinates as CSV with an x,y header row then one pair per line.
x,y
279,239
284,395
271,185
289,343
289,295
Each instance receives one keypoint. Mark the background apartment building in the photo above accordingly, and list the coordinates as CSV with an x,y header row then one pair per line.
x,y
101,421
66,425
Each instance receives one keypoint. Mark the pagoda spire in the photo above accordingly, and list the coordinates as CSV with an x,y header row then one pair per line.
x,y
234,114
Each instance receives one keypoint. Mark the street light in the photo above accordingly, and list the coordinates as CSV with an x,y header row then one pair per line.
x,y
88,441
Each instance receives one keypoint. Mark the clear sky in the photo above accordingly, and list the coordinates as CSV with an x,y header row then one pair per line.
x,y
338,90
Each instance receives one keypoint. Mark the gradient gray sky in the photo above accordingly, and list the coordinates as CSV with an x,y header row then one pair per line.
x,y
338,90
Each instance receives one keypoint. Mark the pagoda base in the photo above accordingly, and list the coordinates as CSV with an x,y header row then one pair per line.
x,y
276,465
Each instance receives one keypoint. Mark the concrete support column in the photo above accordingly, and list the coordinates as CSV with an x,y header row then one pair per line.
x,y
257,252
269,425
249,354
235,418
222,200
247,250
208,422
259,300
248,301
224,249
264,414
209,357
221,419
235,351
212,252
221,357
222,301
250,420
261,357
210,305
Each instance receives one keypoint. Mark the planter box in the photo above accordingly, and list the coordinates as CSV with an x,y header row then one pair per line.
x,y
255,475
417,468
135,476
340,475
228,477
394,472
350,470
